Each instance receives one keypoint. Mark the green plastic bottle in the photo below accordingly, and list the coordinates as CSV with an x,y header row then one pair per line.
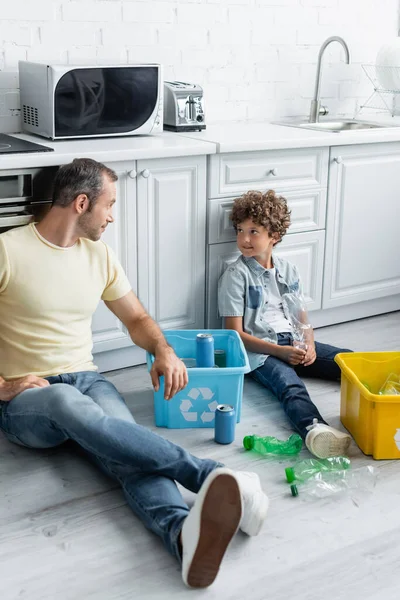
x,y
271,445
305,469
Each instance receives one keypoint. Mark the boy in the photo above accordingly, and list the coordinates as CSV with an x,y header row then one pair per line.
x,y
250,298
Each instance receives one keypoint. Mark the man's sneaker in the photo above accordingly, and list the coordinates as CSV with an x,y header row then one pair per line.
x,y
255,502
324,441
209,528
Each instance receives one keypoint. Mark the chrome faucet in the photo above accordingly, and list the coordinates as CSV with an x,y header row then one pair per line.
x,y
316,109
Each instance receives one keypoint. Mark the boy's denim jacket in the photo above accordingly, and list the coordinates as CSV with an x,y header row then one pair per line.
x,y
243,291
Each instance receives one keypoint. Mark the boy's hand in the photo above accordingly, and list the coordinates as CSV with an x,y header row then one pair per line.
x,y
310,356
291,355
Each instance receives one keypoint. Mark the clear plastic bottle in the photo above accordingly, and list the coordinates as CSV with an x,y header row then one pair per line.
x,y
357,482
271,445
309,467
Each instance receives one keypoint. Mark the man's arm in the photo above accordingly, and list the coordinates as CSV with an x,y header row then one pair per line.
x,y
145,333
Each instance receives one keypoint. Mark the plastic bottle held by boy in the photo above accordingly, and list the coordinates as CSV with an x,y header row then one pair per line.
x,y
204,350
225,422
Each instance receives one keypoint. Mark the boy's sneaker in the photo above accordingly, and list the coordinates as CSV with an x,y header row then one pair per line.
x,y
209,528
324,441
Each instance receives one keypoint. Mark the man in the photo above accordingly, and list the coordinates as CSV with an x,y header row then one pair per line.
x,y
52,276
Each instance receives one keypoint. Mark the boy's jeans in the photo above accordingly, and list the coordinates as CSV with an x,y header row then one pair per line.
x,y
88,409
284,381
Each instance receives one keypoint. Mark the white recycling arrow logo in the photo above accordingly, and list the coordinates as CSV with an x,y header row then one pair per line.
x,y
207,416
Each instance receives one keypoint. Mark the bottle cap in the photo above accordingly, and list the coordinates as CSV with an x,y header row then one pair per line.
x,y
248,442
294,490
290,476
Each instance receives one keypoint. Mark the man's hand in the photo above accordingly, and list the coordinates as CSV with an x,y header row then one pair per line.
x,y
291,355
310,355
175,375
10,389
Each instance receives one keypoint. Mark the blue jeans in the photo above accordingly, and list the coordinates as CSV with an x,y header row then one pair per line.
x,y
88,409
284,381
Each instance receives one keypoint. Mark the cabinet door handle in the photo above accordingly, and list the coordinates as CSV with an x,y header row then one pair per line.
x,y
132,174
146,173
274,172
338,159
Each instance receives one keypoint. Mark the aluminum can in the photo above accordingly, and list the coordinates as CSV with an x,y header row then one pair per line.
x,y
225,422
204,350
220,358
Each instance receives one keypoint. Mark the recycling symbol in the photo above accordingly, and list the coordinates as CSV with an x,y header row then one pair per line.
x,y
203,397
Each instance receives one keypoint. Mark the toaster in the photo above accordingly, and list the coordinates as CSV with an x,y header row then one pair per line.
x,y
183,106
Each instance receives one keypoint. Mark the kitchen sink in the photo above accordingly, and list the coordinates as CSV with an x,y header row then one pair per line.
x,y
335,126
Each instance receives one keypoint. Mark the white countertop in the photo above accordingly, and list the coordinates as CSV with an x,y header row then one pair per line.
x,y
106,150
242,137
224,137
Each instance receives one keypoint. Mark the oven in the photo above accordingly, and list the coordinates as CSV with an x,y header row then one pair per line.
x,y
25,196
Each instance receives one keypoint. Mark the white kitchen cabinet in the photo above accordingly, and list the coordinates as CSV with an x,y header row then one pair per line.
x,y
159,237
362,233
108,331
171,216
300,176
305,250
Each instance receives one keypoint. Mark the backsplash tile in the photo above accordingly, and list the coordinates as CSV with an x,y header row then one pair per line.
x,y
255,59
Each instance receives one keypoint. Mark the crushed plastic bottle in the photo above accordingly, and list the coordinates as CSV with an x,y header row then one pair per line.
x,y
391,387
357,482
295,310
309,467
271,445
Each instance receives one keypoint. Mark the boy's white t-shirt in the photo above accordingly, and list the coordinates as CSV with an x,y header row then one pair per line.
x,y
274,314
48,295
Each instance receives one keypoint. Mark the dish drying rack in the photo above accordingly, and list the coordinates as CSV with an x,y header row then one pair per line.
x,y
383,98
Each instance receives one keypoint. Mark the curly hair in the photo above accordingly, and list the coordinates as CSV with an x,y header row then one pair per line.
x,y
263,208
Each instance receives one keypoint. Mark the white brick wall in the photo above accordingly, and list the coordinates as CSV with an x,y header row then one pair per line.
x,y
256,59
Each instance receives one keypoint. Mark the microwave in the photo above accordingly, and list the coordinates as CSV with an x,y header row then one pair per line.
x,y
64,101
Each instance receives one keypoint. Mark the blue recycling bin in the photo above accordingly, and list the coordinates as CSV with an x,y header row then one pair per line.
x,y
207,387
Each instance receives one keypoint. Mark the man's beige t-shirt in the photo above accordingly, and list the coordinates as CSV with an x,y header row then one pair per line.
x,y
48,295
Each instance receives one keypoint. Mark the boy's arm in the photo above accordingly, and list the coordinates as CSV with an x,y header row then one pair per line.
x,y
289,354
303,317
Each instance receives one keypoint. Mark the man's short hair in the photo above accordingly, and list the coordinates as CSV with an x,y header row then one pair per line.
x,y
81,176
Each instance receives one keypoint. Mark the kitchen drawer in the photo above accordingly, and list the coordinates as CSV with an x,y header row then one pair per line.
x,y
238,172
308,214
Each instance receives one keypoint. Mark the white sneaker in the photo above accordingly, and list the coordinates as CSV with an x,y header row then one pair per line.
x,y
209,528
255,502
324,441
